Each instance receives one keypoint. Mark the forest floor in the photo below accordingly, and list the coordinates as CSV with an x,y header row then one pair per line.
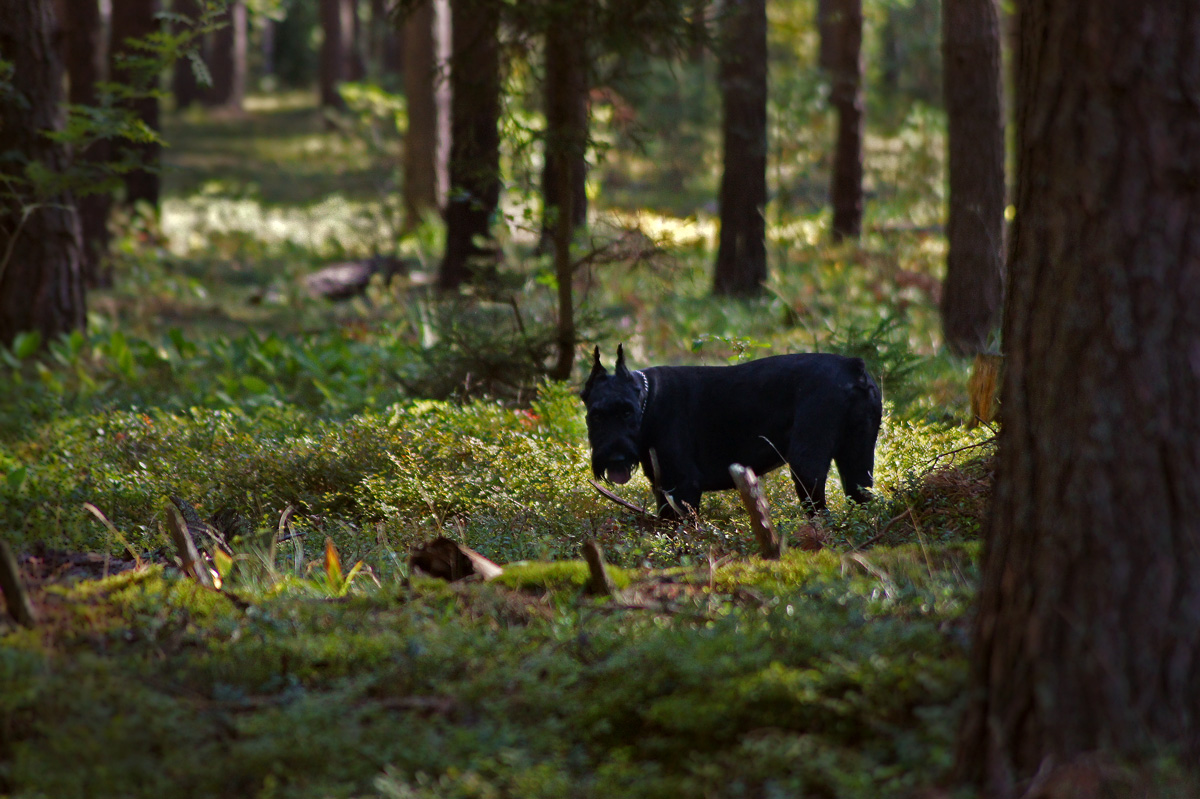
x,y
326,666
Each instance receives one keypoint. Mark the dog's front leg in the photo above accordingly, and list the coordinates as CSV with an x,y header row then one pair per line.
x,y
675,503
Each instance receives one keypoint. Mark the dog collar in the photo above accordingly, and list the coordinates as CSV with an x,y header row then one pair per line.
x,y
644,392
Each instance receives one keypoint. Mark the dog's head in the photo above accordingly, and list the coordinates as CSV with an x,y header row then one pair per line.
x,y
614,418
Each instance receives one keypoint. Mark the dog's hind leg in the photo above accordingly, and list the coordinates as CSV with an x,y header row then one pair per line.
x,y
856,463
855,453
809,455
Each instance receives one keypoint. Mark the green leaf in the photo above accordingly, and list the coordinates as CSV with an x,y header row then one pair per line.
x,y
26,344
223,563
16,478
255,385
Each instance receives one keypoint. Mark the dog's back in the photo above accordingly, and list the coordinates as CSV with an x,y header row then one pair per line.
x,y
804,410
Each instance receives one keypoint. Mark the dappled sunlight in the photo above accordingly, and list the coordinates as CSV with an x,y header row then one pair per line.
x,y
334,226
670,230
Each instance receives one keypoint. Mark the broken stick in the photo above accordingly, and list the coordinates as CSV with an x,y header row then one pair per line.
x,y
770,545
598,581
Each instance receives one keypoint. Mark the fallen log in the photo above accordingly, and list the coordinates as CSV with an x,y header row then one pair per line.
x,y
447,560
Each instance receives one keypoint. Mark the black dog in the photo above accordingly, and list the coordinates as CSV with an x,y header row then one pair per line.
x,y
803,410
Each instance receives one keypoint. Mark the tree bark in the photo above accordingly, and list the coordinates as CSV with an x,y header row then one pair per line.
x,y
1085,639
566,124
971,294
741,266
474,142
82,46
337,27
846,96
41,281
426,91
134,19
228,63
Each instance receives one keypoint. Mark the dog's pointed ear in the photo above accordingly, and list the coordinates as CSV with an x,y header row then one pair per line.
x,y
598,372
622,370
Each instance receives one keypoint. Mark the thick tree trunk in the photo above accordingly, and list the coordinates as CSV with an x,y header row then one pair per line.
x,y
134,19
84,56
337,28
846,96
1086,639
741,267
228,62
474,142
566,125
41,283
426,90
974,282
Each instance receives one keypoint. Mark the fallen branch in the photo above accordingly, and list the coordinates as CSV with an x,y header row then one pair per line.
x,y
627,505
932,463
770,545
190,561
875,538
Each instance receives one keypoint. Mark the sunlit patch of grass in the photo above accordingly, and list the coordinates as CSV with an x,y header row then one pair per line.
x,y
334,226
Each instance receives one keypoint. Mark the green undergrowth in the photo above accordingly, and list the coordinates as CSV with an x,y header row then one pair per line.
x,y
821,675
512,483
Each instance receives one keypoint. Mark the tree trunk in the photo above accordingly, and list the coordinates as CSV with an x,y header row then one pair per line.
x,y
889,56
387,51
474,142
82,48
427,93
1085,639
134,19
741,267
827,34
974,283
356,62
566,124
41,282
228,62
184,86
698,38
337,28
563,266
846,96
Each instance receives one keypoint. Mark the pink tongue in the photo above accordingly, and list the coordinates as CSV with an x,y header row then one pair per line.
x,y
619,476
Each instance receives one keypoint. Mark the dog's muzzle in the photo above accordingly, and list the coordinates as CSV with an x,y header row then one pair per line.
x,y
619,473
618,470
